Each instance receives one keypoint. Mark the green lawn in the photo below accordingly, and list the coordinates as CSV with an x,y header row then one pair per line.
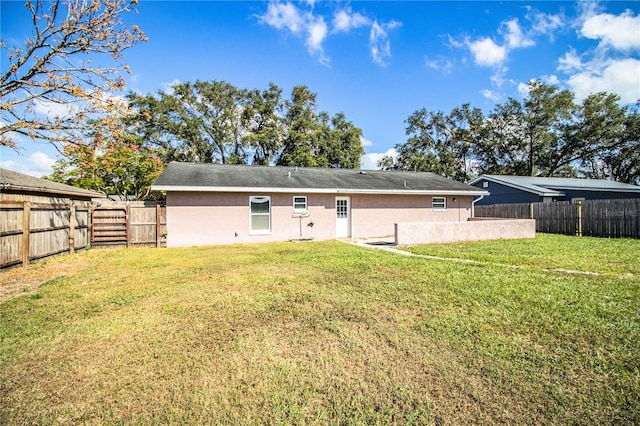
x,y
327,333
599,255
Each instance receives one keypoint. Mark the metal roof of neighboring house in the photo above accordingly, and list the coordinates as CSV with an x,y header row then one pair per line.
x,y
550,186
14,181
241,178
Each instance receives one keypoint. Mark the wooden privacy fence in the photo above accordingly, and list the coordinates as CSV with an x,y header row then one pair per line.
x,y
135,224
30,230
34,230
594,218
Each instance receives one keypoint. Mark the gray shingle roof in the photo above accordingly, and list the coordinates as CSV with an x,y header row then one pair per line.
x,y
550,186
14,181
240,178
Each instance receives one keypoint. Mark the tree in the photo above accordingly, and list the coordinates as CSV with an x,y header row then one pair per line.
x,y
50,87
344,144
196,122
261,118
527,138
315,139
217,122
624,160
301,126
597,134
113,163
437,143
546,134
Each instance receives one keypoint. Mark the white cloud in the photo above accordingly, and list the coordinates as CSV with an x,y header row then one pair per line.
x,y
365,142
316,33
370,161
168,87
551,79
54,109
523,89
513,35
609,67
570,62
300,20
37,164
499,77
379,41
345,20
545,24
615,76
283,15
440,64
621,32
487,53
490,94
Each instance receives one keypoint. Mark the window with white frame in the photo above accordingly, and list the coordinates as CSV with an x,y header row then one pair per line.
x,y
260,215
300,204
439,203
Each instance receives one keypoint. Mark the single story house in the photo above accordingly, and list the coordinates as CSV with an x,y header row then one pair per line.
x,y
222,204
531,189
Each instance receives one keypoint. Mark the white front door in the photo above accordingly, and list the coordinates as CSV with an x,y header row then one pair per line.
x,y
343,217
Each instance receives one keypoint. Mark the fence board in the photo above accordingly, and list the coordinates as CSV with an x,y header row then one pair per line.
x,y
597,218
134,224
30,231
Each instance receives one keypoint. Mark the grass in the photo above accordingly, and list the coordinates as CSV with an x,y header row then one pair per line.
x,y
599,255
326,333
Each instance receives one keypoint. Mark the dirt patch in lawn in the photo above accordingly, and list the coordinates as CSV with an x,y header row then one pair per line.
x,y
19,281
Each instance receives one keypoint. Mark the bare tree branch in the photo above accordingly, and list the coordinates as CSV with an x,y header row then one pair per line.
x,y
54,68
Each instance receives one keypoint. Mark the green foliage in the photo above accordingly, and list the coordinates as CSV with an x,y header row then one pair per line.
x,y
216,122
437,143
546,134
111,163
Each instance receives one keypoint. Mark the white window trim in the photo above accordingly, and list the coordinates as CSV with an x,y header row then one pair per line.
x,y
441,206
259,231
306,204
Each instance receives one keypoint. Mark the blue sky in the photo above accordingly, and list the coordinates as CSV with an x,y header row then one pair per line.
x,y
377,62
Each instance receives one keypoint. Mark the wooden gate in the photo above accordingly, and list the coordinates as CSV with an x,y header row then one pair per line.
x,y
110,226
134,224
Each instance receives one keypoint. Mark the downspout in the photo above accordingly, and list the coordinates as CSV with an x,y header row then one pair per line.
x,y
473,206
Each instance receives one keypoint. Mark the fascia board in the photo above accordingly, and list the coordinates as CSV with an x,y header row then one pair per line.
x,y
314,190
582,188
26,188
543,192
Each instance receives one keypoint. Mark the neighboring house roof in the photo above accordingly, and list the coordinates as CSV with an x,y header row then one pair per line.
x,y
240,178
14,181
551,187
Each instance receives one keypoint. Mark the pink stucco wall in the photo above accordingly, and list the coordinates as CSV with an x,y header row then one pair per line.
x,y
472,230
202,218
375,215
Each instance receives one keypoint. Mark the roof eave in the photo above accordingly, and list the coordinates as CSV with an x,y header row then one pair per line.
x,y
593,189
90,194
316,190
550,193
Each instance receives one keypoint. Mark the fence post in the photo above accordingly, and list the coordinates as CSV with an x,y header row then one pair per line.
x,y
72,227
158,232
26,231
579,207
530,210
126,224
